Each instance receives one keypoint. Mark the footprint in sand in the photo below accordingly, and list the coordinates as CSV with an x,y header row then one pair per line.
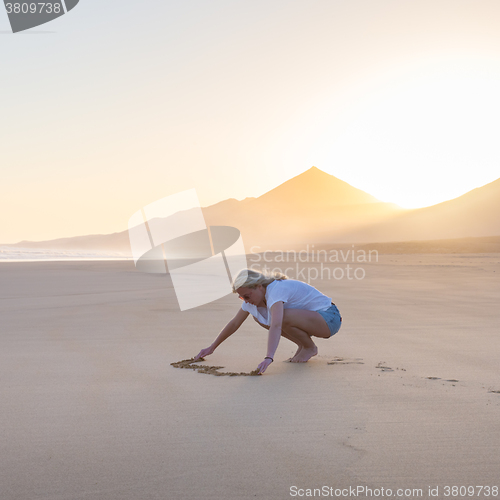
x,y
452,380
345,361
210,370
384,368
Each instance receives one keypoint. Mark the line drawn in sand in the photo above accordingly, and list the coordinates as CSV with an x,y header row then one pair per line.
x,y
337,360
210,370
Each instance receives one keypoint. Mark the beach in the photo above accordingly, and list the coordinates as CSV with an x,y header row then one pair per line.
x,y
406,396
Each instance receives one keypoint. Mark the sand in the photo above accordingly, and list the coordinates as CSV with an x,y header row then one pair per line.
x,y
406,395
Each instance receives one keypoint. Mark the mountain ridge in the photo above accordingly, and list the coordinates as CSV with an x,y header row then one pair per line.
x,y
317,207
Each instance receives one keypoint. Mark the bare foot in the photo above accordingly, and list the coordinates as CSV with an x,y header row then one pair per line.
x,y
305,355
295,355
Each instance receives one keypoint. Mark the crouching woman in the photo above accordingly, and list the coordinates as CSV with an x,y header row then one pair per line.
x,y
289,308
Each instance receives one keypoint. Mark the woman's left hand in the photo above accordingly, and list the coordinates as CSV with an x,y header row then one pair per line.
x,y
263,366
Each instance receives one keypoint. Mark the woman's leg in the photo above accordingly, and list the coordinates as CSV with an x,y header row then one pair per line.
x,y
299,326
284,334
295,341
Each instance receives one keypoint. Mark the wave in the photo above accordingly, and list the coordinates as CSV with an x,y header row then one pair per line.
x,y
19,254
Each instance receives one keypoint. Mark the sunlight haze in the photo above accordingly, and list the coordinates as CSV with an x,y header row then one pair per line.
x,y
113,107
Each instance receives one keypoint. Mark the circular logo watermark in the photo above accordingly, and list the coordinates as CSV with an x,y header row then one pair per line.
x,y
170,236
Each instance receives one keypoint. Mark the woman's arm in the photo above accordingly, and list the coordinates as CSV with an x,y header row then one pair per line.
x,y
226,332
274,335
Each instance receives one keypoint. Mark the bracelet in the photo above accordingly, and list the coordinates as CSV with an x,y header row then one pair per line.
x,y
267,357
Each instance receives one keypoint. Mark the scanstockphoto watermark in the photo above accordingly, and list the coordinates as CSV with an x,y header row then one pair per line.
x,y
310,264
357,491
431,491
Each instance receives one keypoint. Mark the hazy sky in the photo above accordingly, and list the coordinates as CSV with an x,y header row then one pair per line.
x,y
120,103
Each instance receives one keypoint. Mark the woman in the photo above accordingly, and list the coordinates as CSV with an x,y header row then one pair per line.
x,y
288,308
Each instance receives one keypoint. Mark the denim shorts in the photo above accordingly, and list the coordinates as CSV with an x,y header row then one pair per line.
x,y
333,319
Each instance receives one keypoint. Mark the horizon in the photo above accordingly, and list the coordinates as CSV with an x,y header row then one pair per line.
x,y
404,210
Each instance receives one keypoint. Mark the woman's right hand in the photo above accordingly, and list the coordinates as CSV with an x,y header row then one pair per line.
x,y
204,352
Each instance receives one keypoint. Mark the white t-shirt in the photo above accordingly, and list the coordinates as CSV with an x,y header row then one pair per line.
x,y
294,294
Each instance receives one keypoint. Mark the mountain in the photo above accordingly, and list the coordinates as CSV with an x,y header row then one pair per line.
x,y
317,208
300,209
105,243
315,189
474,214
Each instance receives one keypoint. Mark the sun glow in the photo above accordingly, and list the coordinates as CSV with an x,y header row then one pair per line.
x,y
427,141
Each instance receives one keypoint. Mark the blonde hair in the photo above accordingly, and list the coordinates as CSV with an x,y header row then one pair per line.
x,y
248,278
